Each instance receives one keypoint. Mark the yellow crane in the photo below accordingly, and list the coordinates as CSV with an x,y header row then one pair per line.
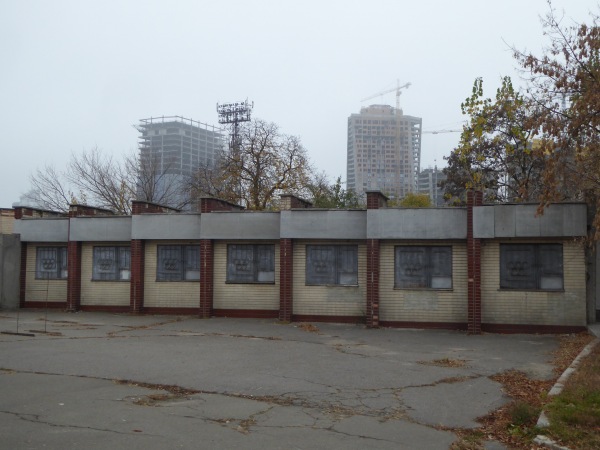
x,y
387,91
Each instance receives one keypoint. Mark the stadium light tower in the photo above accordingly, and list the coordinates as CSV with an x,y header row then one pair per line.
x,y
234,114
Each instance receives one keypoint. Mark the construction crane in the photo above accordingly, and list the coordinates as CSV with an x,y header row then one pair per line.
x,y
440,131
387,91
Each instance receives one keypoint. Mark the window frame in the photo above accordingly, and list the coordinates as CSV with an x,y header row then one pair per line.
x,y
430,271
233,272
541,267
60,259
187,257
116,274
338,269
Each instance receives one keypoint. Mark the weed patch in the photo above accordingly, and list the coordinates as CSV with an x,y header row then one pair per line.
x,y
574,414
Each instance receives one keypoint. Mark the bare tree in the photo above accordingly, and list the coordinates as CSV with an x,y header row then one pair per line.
x,y
50,190
99,180
105,182
157,182
264,164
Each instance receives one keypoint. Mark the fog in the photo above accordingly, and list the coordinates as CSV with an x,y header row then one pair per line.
x,y
80,74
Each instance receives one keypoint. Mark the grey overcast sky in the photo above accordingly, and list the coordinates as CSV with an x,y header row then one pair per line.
x,y
79,74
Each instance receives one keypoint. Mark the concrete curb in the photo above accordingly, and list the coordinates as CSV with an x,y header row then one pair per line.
x,y
543,421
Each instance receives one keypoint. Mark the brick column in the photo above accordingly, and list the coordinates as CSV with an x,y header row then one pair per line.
x,y
23,275
474,198
373,283
74,276
206,278
375,200
136,284
286,280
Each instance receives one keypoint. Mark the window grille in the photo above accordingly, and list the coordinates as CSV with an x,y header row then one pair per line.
x,y
178,263
332,265
51,263
531,266
250,263
426,267
111,264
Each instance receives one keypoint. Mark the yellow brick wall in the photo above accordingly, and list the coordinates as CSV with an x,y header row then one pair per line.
x,y
167,294
328,300
113,293
42,290
534,307
6,221
243,296
423,305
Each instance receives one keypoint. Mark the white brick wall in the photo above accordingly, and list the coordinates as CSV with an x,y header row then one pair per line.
x,y
328,300
109,293
534,307
243,296
42,290
423,305
167,294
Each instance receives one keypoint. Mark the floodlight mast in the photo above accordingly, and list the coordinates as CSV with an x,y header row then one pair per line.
x,y
235,113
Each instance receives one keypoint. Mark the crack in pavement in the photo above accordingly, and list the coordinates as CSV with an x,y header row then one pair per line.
x,y
334,407
34,418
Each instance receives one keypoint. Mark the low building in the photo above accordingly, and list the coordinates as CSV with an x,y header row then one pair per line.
x,y
482,267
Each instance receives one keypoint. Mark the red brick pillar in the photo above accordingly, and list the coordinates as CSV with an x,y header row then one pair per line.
x,y
474,198
373,283
375,200
74,276
23,275
206,278
286,280
136,284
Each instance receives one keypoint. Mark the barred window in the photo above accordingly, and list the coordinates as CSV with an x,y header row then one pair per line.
x,y
51,263
332,265
178,263
250,263
531,266
111,264
427,267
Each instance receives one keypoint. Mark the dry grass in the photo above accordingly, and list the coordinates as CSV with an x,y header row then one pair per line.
x,y
575,413
445,362
308,327
514,424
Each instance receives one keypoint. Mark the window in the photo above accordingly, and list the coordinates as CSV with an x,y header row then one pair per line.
x,y
111,264
332,265
531,266
178,263
250,263
425,267
51,263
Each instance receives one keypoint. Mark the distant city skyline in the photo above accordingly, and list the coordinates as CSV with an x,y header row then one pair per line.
x,y
79,75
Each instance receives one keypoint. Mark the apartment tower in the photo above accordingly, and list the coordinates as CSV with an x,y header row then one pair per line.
x,y
384,151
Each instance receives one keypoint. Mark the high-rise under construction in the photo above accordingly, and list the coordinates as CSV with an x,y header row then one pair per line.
x,y
384,151
173,148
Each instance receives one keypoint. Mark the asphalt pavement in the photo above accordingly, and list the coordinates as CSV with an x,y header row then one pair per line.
x,y
97,380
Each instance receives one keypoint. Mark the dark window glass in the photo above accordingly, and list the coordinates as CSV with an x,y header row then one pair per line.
x,y
178,263
332,265
111,263
51,263
531,266
250,263
426,267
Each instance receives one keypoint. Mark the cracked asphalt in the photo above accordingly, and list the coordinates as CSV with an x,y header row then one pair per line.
x,y
98,380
